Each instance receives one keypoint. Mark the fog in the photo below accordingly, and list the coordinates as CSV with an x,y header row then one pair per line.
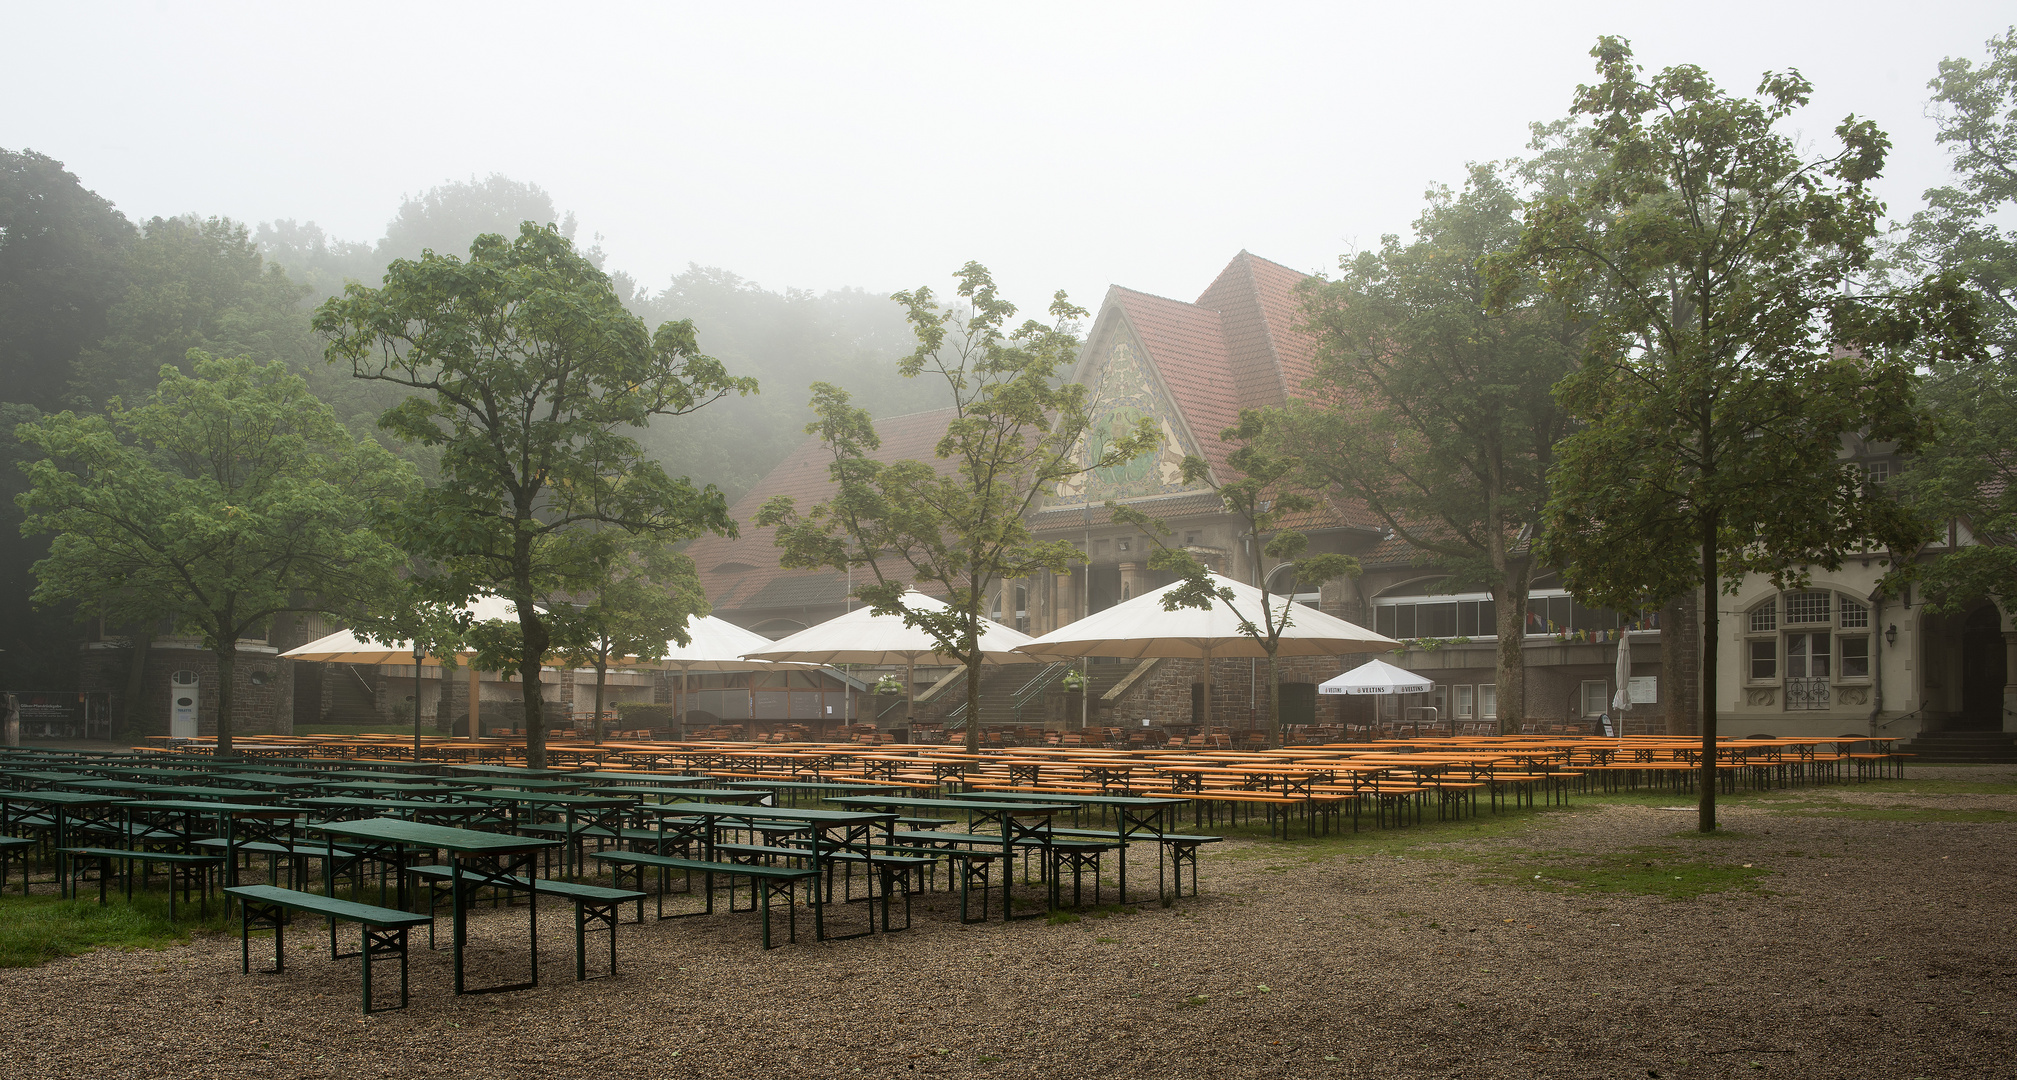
x,y
882,146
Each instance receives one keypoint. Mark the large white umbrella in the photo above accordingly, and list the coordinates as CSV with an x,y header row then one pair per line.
x,y
1141,628
863,637
1376,677
714,645
345,647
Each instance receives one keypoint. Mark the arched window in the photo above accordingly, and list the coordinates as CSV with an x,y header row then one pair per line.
x,y
1808,642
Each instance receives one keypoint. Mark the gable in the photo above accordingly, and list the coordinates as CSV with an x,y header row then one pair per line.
x,y
1124,388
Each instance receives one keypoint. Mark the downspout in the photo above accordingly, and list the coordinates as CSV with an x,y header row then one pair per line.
x,y
1877,658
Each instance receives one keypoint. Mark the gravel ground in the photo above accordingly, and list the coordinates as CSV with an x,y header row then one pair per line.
x,y
1870,945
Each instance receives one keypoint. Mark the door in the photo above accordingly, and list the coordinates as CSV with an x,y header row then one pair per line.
x,y
182,699
1983,662
1299,703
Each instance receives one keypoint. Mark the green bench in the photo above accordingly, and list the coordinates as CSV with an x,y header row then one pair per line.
x,y
766,883
193,870
266,907
594,908
1183,848
11,848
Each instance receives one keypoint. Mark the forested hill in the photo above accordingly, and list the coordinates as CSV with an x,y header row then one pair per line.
x,y
92,304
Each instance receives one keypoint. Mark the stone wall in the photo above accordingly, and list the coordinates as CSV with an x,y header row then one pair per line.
x,y
262,694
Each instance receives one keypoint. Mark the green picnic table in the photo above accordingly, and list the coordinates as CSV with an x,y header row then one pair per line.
x,y
1003,814
1135,815
147,820
479,860
582,813
24,809
828,832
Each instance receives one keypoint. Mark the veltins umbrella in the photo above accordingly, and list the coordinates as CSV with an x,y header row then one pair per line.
x,y
713,645
1376,677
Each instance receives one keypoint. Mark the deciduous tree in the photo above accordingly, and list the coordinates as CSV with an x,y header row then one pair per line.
x,y
1015,432
224,501
531,376
1732,353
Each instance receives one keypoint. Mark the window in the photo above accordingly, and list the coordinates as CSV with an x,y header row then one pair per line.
x,y
1878,472
1807,656
1765,617
1596,697
1464,703
1807,607
1855,656
1765,659
1854,615
1488,702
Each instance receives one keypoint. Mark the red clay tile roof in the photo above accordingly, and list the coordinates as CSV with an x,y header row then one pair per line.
x,y
1187,346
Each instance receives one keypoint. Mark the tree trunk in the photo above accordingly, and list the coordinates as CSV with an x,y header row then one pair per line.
x,y
227,660
136,683
1707,802
973,700
1509,602
601,673
1274,703
532,630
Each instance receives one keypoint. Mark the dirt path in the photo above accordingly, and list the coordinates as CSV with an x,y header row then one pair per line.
x,y
1870,935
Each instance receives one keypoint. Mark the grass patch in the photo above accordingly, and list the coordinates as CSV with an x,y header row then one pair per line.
x,y
1061,918
37,929
1902,813
1666,872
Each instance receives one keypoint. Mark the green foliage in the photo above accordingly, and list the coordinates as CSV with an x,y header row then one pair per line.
x,y
640,592
223,501
1967,472
37,929
62,253
1264,491
1731,355
530,375
1014,432
1436,408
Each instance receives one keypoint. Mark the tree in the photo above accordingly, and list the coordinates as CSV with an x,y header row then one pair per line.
x,y
1265,492
1732,354
226,500
639,593
1967,472
1436,410
959,531
62,249
530,372
193,283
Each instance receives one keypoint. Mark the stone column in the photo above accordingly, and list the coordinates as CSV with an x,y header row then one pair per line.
x,y
1133,581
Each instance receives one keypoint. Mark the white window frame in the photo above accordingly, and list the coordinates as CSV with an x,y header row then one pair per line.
x,y
1603,692
1488,701
1463,702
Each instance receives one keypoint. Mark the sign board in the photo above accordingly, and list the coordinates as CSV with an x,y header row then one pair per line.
x,y
1643,689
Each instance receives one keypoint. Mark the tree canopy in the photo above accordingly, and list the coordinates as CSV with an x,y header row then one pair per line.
x,y
1732,353
1016,430
1436,408
1967,473
530,377
225,500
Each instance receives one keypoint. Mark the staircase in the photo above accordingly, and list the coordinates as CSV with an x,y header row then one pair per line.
x,y
353,699
1962,747
1006,692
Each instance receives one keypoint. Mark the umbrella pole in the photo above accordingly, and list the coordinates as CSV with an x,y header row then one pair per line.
x,y
474,720
680,707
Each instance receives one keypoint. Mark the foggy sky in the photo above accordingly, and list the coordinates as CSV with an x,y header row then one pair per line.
x,y
883,145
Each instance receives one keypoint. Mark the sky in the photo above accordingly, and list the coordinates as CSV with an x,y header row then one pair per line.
x,y
884,145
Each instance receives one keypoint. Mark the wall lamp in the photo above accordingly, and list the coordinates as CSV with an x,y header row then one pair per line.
x,y
1891,634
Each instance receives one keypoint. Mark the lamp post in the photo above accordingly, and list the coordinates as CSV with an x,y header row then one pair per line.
x,y
419,654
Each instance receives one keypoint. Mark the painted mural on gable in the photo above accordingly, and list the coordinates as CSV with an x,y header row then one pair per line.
x,y
1126,392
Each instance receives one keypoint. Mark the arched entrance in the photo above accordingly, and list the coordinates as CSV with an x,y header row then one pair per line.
x,y
1983,671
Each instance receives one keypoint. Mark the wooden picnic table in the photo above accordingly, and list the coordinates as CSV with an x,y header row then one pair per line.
x,y
1134,814
19,809
479,860
236,822
1000,813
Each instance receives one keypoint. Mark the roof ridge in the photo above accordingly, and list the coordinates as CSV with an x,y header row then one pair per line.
x,y
1166,299
1267,326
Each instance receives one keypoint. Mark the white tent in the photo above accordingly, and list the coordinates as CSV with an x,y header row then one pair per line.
x,y
863,637
1376,677
345,647
1141,628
